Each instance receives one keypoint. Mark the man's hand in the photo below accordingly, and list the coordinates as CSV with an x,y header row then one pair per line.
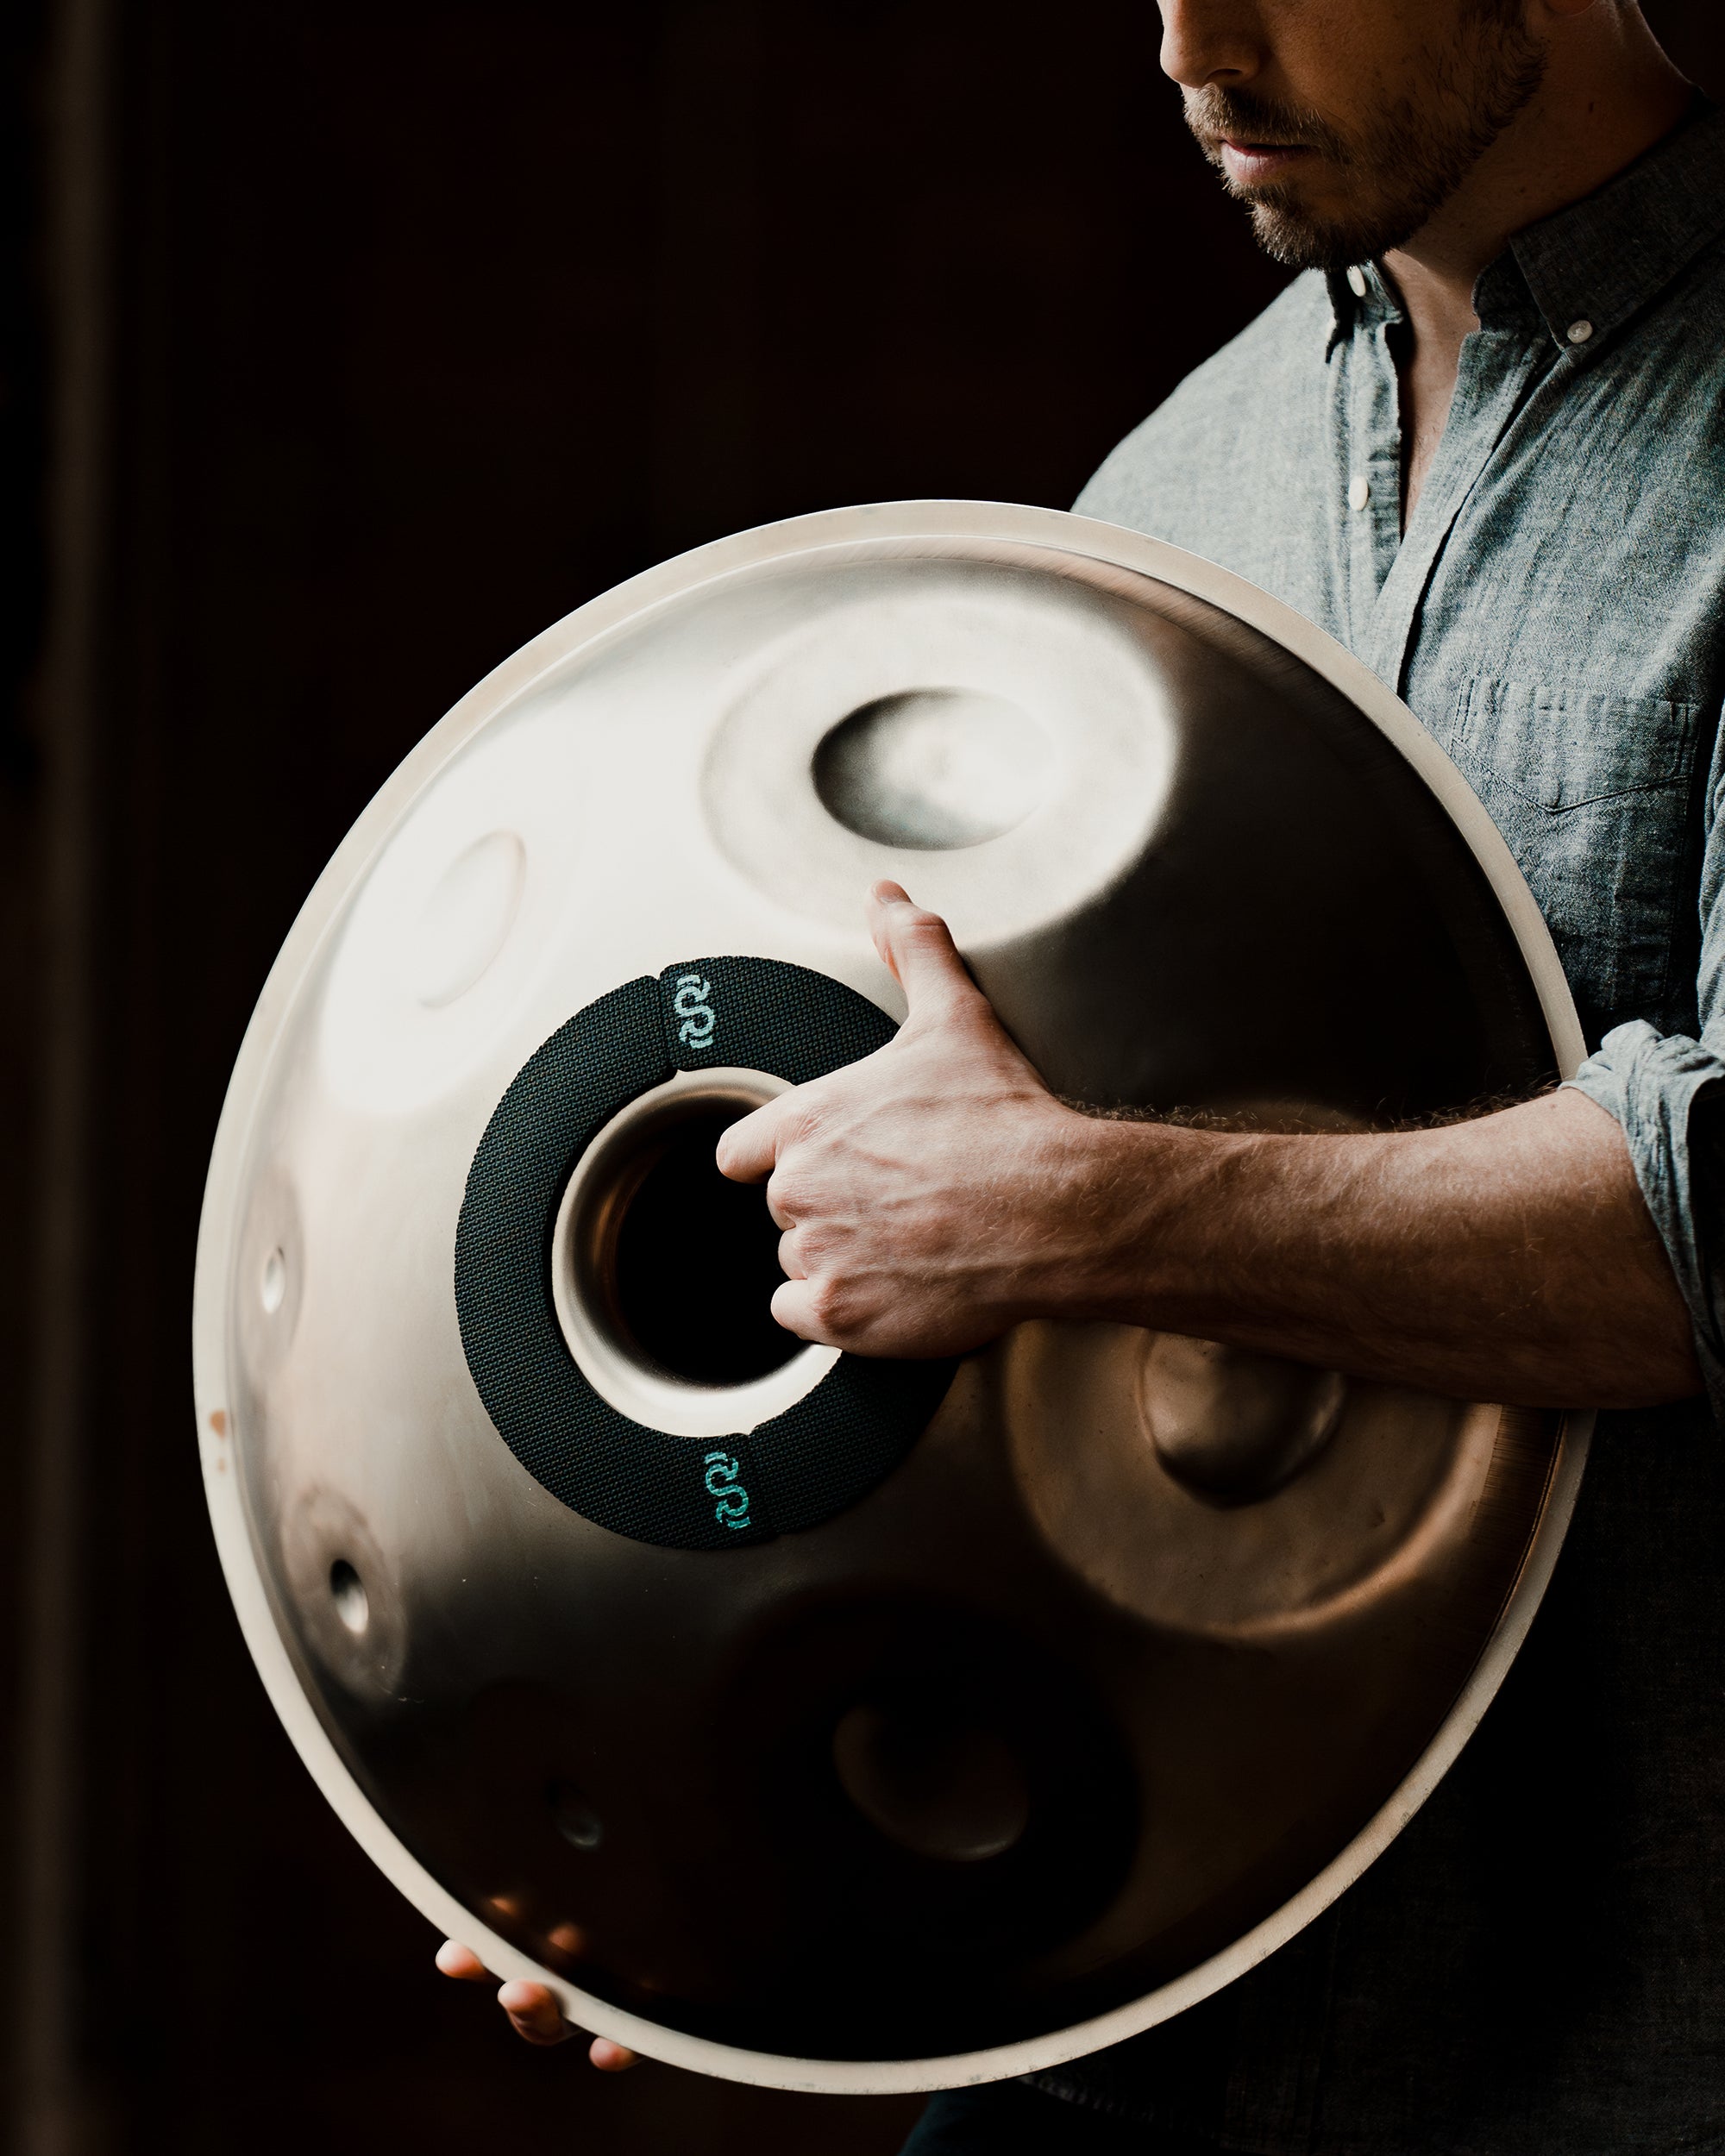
x,y
532,2009
931,1194
936,1192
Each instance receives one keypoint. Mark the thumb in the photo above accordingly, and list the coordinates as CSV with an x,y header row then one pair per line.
x,y
919,949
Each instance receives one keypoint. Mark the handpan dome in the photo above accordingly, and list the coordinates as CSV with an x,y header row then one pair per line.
x,y
805,1719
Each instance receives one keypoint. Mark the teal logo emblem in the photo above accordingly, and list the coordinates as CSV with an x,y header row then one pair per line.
x,y
722,1482
691,1006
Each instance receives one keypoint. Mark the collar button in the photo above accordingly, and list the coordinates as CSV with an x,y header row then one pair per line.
x,y
1356,281
1579,332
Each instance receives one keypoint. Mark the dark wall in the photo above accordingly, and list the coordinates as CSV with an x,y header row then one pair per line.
x,y
432,321
427,323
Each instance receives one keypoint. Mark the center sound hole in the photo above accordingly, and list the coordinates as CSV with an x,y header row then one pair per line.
x,y
695,1261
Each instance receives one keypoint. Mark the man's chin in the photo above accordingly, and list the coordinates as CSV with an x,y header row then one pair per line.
x,y
1298,242
1290,232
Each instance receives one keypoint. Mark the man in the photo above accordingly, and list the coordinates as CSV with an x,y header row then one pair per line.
x,y
1481,441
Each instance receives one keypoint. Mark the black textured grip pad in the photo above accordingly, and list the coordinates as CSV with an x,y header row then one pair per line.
x,y
634,1481
804,1465
764,1015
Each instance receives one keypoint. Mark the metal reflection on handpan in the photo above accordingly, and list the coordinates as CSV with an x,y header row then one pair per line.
x,y
934,768
1232,1425
1303,1500
937,1784
804,1718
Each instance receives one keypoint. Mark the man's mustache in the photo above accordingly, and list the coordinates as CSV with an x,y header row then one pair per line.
x,y
1217,116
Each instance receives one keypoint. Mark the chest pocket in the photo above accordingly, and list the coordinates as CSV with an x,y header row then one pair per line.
x,y
1592,794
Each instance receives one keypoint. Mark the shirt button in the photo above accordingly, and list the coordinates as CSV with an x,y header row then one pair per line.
x,y
1579,332
1359,490
1357,282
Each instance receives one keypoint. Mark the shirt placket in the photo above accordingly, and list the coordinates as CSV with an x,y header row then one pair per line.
x,y
1370,471
1496,369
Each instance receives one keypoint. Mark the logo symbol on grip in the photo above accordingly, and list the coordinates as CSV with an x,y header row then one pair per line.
x,y
722,1473
691,1006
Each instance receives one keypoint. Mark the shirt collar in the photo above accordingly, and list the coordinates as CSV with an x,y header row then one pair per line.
x,y
1602,259
1597,261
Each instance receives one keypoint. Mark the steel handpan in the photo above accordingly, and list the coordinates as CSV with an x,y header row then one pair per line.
x,y
803,1719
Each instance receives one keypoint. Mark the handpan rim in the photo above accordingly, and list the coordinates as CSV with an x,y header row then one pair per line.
x,y
1011,525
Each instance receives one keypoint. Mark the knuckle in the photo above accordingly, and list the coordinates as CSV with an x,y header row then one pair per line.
x,y
786,1198
815,1246
806,1124
828,1301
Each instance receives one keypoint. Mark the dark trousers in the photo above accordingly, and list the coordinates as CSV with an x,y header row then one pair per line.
x,y
1008,2118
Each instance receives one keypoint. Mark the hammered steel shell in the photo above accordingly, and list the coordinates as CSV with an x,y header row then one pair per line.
x,y
1036,1723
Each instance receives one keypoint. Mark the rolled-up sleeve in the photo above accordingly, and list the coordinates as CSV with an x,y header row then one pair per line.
x,y
1667,1090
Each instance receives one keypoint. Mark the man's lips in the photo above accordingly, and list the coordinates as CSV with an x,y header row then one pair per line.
x,y
1253,161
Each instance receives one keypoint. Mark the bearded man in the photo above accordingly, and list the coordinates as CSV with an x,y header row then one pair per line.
x,y
1481,440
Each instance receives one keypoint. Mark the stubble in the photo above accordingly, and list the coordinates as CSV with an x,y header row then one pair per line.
x,y
1398,165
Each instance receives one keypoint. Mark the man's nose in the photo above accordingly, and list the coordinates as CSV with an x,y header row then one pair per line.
x,y
1204,41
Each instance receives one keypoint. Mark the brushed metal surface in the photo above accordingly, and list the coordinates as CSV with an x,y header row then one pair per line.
x,y
1145,1648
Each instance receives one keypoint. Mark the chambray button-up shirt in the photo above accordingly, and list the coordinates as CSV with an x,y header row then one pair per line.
x,y
1539,1965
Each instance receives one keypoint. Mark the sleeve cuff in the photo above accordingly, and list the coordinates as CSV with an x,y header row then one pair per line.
x,y
1652,1083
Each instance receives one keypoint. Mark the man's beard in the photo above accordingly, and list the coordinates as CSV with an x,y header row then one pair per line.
x,y
1401,166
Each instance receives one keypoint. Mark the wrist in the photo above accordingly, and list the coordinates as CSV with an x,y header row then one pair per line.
x,y
1116,1187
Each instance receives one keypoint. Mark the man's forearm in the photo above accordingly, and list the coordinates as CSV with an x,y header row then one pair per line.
x,y
1511,1257
936,1192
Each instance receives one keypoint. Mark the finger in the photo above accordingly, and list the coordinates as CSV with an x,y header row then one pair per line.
x,y
919,948
789,1263
749,1148
456,1960
534,2014
792,1307
609,2057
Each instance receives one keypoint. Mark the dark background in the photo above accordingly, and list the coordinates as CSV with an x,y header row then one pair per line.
x,y
343,345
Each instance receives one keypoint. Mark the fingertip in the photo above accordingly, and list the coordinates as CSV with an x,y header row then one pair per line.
x,y
881,896
455,1960
744,1151
521,1997
789,1309
534,2013
609,2057
795,1305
